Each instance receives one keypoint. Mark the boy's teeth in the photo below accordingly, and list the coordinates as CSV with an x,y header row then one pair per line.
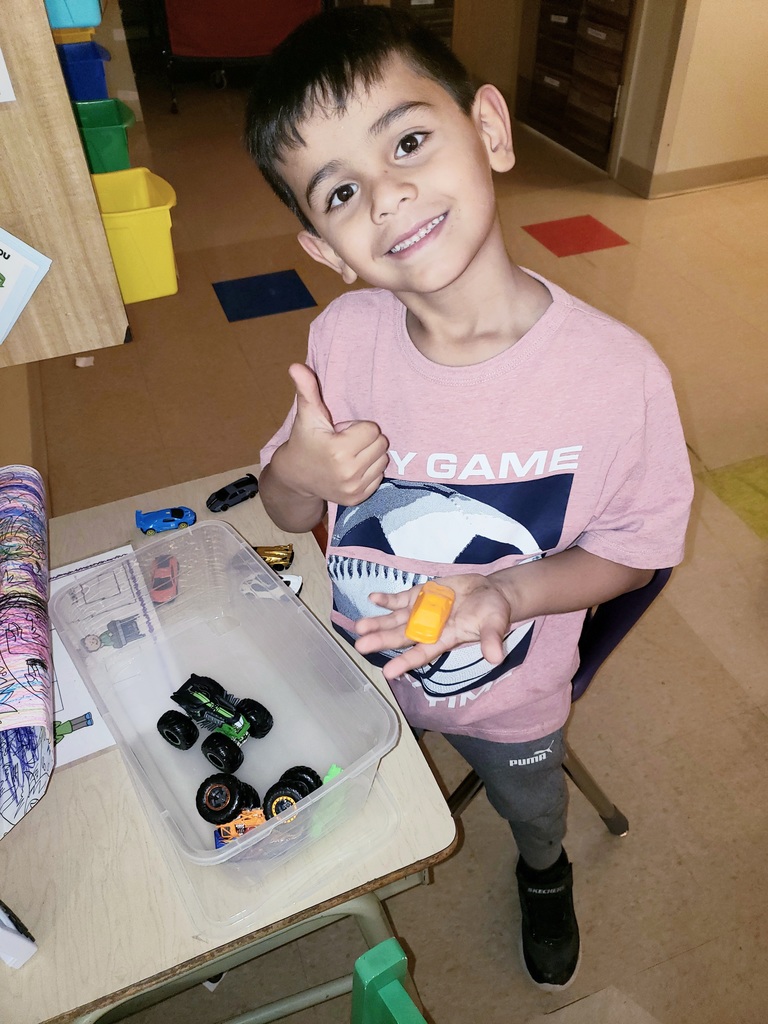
x,y
418,236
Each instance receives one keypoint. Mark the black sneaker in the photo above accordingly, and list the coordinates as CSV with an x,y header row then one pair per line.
x,y
550,932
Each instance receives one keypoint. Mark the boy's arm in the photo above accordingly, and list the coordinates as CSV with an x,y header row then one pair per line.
x,y
486,606
290,510
321,461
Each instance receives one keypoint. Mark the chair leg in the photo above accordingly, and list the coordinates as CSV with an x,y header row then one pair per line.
x,y
464,794
615,821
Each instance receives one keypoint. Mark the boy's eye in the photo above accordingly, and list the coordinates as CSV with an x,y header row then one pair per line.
x,y
410,143
341,195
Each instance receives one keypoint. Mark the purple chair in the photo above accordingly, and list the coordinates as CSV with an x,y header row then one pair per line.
x,y
604,628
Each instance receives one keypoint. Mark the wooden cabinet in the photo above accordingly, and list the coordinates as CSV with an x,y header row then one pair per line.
x,y
573,93
47,200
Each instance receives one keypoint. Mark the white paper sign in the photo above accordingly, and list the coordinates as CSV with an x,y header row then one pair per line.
x,y
21,270
6,89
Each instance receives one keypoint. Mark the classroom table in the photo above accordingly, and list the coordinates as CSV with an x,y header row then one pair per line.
x,y
90,878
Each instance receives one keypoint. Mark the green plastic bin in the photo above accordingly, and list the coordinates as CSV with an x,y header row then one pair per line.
x,y
135,208
104,128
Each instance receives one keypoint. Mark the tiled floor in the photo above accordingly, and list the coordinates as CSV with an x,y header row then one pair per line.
x,y
674,915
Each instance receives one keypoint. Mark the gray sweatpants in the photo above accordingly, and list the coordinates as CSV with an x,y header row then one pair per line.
x,y
526,784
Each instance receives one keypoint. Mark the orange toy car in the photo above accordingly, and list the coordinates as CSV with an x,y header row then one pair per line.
x,y
430,613
165,579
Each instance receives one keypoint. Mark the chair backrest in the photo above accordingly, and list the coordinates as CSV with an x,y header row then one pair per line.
x,y
378,995
607,625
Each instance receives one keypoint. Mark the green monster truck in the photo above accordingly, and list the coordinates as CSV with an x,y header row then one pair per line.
x,y
230,720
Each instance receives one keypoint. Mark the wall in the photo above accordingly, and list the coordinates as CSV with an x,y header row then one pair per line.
x,y
486,38
693,113
720,91
22,439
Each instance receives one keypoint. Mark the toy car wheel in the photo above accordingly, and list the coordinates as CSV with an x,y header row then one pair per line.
x,y
281,797
215,689
150,531
222,752
256,715
221,798
183,526
224,508
301,775
177,729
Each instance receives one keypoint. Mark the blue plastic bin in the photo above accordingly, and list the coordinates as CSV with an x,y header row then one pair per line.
x,y
73,13
83,67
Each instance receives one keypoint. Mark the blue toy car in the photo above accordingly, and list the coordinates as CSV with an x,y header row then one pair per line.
x,y
165,519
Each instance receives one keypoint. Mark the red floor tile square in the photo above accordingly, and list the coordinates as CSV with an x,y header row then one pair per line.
x,y
573,235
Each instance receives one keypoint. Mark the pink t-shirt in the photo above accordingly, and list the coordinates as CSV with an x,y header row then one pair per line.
x,y
571,436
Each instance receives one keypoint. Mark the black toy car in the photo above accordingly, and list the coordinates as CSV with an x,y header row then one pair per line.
x,y
230,720
232,494
223,797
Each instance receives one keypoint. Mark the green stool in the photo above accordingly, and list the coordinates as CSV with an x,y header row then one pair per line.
x,y
378,995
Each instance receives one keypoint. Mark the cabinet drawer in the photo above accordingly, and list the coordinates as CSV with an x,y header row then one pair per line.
x,y
558,21
601,41
593,112
607,74
618,10
549,95
555,53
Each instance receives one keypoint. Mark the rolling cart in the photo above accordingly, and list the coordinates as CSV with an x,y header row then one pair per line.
x,y
226,33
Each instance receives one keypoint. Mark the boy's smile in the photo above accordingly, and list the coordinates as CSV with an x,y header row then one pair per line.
x,y
398,186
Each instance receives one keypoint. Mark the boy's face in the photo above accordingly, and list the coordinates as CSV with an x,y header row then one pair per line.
x,y
399,186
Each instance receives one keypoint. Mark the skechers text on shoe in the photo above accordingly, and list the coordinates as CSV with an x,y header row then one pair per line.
x,y
550,932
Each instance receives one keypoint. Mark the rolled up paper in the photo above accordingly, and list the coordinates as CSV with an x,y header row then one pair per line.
x,y
26,700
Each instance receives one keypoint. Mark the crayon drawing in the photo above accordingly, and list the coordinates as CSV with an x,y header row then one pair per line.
x,y
26,710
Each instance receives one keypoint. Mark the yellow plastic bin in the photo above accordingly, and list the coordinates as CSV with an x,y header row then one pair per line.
x,y
73,35
135,206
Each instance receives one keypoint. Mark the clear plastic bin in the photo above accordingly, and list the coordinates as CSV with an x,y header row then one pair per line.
x,y
135,208
73,13
83,67
104,128
235,621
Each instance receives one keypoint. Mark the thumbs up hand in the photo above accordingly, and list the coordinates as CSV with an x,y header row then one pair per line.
x,y
343,462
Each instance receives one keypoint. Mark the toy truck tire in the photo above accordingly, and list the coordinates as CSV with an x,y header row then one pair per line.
x,y
303,776
223,753
221,798
256,715
177,729
281,797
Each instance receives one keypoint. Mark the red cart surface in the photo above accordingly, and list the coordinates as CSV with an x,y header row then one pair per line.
x,y
233,29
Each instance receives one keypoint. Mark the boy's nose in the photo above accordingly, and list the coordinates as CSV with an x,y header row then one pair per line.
x,y
390,193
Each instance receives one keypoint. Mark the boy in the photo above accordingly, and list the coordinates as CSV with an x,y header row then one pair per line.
x,y
464,420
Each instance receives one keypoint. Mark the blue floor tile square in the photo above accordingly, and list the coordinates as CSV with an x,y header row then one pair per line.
x,y
263,295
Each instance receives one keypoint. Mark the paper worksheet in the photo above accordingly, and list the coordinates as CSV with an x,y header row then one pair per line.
x,y
79,729
22,268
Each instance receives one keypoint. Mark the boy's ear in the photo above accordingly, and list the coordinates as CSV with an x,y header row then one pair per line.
x,y
322,252
491,116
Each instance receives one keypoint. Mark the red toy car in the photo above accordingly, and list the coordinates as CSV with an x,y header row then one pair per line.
x,y
165,579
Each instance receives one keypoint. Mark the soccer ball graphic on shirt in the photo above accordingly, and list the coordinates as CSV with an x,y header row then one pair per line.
x,y
428,522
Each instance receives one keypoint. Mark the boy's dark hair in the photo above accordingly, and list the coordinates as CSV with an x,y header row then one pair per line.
x,y
323,62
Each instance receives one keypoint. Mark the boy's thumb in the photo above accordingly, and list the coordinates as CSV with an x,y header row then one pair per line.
x,y
308,391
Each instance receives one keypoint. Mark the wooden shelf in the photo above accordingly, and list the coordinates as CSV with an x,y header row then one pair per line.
x,y
47,200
